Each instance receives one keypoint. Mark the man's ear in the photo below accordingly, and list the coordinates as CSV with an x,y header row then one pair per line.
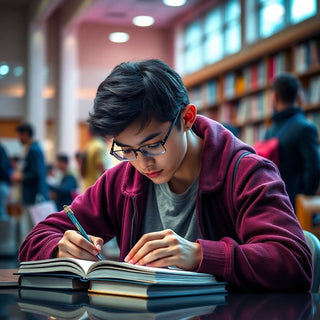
x,y
189,114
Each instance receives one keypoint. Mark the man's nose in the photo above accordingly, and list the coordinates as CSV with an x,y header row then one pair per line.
x,y
144,161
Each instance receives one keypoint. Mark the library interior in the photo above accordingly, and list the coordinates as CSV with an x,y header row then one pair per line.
x,y
54,54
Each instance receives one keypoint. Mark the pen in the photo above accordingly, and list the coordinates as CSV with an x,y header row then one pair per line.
x,y
77,224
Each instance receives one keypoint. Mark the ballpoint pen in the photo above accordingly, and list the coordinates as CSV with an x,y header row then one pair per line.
x,y
77,224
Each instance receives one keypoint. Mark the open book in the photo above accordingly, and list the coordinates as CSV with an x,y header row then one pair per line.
x,y
115,278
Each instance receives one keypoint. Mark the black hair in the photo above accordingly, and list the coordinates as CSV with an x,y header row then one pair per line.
x,y
25,127
142,91
63,157
287,87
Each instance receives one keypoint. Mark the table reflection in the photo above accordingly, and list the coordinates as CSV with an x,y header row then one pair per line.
x,y
14,305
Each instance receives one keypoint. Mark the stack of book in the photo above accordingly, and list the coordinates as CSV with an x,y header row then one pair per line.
x,y
116,278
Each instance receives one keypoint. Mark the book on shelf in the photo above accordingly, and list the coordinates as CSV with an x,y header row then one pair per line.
x,y
114,277
314,90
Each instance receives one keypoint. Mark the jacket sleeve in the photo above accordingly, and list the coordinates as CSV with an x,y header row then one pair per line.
x,y
268,251
91,210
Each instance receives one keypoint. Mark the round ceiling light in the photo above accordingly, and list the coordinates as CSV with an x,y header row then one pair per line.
x,y
143,21
174,3
119,37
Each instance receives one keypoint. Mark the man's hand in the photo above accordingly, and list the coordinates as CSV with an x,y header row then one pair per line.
x,y
165,248
73,245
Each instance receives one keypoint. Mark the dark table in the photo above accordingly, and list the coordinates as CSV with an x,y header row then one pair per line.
x,y
14,305
18,303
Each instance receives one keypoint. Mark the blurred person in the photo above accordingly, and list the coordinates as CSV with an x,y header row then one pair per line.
x,y
232,129
5,177
33,174
52,179
94,161
8,239
63,191
76,169
78,162
14,202
299,159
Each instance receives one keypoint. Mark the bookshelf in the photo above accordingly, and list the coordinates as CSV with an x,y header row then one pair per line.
x,y
237,89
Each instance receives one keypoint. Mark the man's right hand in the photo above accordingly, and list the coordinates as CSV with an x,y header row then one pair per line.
x,y
73,245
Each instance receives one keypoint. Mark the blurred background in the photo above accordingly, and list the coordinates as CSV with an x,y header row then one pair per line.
x,y
55,53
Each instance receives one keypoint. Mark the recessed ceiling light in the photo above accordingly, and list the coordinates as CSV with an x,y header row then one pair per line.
x,y
174,3
119,37
143,21
4,69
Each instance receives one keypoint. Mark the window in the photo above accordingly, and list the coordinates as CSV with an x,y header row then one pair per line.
x,y
271,17
264,18
302,9
193,38
213,36
217,33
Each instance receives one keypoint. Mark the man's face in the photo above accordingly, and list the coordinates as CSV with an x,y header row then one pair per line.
x,y
24,137
61,165
161,168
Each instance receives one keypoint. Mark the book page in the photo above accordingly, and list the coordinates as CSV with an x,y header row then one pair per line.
x,y
84,264
72,265
107,264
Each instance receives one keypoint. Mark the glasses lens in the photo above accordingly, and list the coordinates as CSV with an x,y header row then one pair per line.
x,y
124,155
154,149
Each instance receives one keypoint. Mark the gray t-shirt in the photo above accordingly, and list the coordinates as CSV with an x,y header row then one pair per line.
x,y
168,210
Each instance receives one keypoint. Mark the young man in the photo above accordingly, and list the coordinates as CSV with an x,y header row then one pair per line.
x,y
94,161
299,162
63,191
5,178
181,195
33,175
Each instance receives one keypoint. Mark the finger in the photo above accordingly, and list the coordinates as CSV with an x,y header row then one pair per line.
x,y
97,242
77,252
73,244
158,257
142,242
147,248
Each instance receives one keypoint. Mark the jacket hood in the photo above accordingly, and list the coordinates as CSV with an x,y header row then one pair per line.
x,y
220,147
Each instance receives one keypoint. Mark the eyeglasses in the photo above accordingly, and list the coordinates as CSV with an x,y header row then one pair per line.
x,y
149,150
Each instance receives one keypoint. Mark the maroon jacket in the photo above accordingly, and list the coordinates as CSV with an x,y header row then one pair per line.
x,y
251,237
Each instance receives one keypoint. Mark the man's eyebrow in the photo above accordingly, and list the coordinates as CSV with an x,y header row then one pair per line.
x,y
149,137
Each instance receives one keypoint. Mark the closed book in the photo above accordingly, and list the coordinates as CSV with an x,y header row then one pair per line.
x,y
153,290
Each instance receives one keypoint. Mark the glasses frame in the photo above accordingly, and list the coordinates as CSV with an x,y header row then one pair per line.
x,y
162,143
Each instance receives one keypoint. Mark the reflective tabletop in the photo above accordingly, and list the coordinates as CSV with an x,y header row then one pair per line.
x,y
28,304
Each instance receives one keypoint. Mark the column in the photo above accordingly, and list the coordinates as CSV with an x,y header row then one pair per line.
x,y
67,117
36,104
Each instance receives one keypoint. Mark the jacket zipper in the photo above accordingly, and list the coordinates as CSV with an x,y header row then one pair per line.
x,y
199,214
133,224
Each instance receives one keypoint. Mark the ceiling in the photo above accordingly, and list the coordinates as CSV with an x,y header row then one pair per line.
x,y
116,12
121,12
